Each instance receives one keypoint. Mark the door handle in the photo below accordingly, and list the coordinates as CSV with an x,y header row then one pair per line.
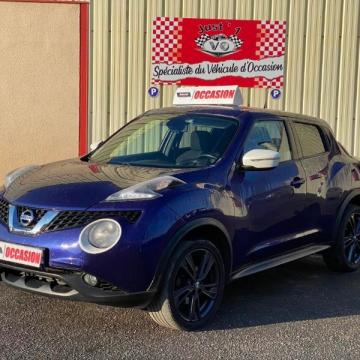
x,y
297,182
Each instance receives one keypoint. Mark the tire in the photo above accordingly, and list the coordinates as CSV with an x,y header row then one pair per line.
x,y
193,288
344,256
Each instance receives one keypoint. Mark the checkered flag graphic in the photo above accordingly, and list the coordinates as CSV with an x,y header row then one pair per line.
x,y
236,41
166,40
201,40
271,38
277,83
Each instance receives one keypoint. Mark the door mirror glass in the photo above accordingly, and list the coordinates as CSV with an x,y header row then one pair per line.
x,y
261,159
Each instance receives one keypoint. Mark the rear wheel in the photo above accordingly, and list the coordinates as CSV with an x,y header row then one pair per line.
x,y
193,288
344,256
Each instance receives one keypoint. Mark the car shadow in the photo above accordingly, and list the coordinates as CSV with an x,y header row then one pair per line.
x,y
297,291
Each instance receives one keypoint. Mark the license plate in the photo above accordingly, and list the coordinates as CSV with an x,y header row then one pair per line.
x,y
19,254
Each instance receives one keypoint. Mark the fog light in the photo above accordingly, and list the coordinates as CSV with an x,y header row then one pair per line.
x,y
90,279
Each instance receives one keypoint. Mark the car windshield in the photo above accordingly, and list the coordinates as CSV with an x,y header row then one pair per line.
x,y
169,141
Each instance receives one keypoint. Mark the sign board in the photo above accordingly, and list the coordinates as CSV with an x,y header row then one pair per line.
x,y
247,53
201,95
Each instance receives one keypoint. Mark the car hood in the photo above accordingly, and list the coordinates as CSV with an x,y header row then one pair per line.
x,y
75,184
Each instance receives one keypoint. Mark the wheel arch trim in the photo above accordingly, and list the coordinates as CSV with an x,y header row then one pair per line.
x,y
178,237
352,195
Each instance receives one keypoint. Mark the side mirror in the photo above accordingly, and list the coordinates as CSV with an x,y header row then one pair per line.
x,y
95,145
261,159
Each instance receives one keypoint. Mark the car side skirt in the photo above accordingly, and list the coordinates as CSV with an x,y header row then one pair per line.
x,y
278,260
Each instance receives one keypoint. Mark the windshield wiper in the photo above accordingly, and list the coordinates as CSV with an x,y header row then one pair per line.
x,y
121,163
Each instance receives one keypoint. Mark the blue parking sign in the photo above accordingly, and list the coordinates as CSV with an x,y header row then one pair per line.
x,y
153,91
275,94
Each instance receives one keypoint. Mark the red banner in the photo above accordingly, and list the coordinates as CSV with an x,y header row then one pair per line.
x,y
247,53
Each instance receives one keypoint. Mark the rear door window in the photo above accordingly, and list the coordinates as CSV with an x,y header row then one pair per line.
x,y
311,139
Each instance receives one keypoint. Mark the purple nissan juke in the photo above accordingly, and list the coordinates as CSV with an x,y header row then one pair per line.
x,y
178,203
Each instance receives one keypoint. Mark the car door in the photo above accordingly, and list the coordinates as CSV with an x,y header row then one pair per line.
x,y
316,158
270,204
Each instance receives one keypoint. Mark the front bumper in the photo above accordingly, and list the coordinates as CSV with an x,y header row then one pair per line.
x,y
121,266
58,238
70,285
131,265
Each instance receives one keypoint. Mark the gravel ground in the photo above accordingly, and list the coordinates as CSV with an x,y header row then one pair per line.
x,y
297,311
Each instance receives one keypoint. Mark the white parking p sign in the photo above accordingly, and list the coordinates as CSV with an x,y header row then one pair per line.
x,y
275,94
153,91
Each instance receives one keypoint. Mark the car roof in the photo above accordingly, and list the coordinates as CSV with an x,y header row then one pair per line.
x,y
235,112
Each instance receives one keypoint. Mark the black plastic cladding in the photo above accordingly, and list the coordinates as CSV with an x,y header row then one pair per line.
x,y
4,211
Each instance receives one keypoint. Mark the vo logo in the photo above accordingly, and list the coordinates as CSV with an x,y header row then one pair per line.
x,y
223,45
219,45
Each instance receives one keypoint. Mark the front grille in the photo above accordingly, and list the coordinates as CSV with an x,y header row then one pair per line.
x,y
73,219
4,211
65,219
38,214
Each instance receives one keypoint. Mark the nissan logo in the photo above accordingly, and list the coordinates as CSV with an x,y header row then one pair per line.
x,y
27,217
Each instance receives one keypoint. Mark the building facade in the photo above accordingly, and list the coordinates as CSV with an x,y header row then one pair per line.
x,y
322,76
44,66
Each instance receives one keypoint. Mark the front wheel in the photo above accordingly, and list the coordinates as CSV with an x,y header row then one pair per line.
x,y
344,256
193,288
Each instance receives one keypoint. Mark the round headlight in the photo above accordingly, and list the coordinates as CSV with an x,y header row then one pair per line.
x,y
100,236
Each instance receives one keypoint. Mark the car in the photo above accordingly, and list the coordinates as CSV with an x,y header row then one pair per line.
x,y
178,203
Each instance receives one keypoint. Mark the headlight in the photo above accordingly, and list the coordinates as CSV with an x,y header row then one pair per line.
x,y
9,178
100,236
146,190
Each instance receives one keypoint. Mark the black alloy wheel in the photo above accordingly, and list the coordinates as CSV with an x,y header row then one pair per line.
x,y
344,255
352,239
196,285
193,289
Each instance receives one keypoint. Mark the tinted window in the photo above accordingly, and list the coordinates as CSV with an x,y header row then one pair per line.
x,y
270,135
169,140
310,139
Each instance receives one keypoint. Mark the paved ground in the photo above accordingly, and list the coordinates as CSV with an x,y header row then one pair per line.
x,y
297,311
